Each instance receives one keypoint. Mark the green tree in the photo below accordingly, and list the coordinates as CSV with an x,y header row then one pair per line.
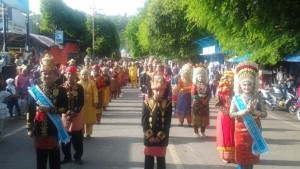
x,y
269,30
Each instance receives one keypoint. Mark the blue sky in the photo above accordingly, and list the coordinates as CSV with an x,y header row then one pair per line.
x,y
108,7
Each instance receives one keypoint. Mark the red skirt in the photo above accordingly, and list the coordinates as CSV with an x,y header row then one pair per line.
x,y
155,151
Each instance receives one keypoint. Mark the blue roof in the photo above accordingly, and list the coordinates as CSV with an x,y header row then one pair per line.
x,y
207,41
240,59
292,58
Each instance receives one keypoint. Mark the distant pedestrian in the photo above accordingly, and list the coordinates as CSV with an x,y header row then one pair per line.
x,y
12,102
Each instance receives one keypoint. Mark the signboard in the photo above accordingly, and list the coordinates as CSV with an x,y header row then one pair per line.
x,y
59,37
16,24
22,5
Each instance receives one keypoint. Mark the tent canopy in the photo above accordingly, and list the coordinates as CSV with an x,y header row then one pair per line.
x,y
292,58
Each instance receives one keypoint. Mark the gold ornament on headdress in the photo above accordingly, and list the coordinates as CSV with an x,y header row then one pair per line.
x,y
246,71
200,69
47,63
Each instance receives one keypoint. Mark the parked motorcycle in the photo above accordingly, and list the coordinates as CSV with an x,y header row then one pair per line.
x,y
279,97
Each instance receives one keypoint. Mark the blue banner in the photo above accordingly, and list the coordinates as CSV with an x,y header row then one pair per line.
x,y
22,5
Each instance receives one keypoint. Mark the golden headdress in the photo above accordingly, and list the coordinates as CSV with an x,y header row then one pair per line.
x,y
246,71
187,71
72,62
200,69
47,63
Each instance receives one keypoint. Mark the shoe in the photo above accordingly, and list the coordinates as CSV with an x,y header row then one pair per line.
x,y
65,161
226,161
203,135
88,136
197,135
78,161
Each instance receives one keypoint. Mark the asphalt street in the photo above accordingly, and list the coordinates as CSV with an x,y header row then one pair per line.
x,y
117,143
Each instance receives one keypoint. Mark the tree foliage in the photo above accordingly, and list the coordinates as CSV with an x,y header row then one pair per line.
x,y
161,29
269,30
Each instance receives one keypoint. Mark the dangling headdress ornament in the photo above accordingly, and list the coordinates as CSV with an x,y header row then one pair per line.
x,y
200,69
47,63
246,71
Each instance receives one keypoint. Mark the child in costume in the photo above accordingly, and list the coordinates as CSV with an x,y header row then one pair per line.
x,y
184,101
156,122
201,95
247,108
225,124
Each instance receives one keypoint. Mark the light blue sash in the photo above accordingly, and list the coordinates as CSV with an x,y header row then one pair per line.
x,y
42,100
259,145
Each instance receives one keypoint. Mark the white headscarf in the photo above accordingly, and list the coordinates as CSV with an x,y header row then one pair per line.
x,y
10,85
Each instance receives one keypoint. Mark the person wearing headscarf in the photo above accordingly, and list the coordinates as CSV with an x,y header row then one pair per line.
x,y
225,124
201,96
22,83
39,123
3,107
13,98
90,102
156,122
247,108
106,90
73,118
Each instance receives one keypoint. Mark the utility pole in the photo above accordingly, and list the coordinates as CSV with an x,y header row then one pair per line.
x,y
93,28
4,18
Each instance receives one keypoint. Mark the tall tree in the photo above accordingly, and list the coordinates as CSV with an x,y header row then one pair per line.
x,y
269,30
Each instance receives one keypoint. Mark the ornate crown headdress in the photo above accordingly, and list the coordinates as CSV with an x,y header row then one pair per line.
x,y
200,69
247,70
47,63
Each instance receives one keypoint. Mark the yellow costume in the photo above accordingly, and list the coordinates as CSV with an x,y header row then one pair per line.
x,y
133,76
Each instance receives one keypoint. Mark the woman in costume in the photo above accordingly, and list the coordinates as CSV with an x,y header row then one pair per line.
x,y
247,109
201,95
106,90
39,123
156,122
184,101
90,102
225,124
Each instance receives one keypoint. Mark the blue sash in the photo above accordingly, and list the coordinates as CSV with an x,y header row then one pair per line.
x,y
259,145
42,100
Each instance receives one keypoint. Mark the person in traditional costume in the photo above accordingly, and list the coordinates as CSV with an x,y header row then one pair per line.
x,y
225,124
90,102
114,82
133,75
40,124
201,96
106,90
73,118
247,108
144,80
184,101
100,84
22,83
87,63
156,122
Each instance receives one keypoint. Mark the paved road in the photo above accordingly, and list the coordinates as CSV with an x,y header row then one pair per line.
x,y
117,142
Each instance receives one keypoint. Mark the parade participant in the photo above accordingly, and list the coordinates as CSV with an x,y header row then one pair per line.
x,y
183,106
225,124
133,75
73,118
106,90
201,96
144,80
156,122
87,63
45,124
100,84
90,102
114,82
247,108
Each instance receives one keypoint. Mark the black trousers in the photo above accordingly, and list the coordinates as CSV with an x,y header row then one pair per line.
x,y
149,162
77,142
42,157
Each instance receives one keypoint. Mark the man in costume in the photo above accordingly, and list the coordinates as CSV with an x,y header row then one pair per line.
x,y
40,123
133,75
247,108
225,124
201,95
156,122
73,118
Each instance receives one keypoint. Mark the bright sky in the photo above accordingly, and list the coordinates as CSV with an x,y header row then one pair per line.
x,y
107,7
